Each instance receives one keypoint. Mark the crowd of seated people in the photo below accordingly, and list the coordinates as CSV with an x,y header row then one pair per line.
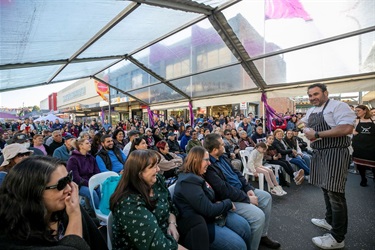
x,y
146,157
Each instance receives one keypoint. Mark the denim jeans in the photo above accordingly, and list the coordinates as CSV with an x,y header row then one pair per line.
x,y
234,235
307,158
257,216
336,213
84,191
301,164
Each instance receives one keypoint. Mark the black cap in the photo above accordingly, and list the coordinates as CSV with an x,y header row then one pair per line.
x,y
69,136
133,132
20,138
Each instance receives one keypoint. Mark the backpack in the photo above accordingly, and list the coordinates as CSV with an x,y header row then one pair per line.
x,y
107,189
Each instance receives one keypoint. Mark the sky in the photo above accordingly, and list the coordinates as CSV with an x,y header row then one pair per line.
x,y
30,96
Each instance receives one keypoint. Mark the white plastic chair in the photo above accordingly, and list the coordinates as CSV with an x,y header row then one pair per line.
x,y
94,181
246,172
109,231
276,167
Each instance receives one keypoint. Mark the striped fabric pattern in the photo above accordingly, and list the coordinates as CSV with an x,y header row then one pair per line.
x,y
331,157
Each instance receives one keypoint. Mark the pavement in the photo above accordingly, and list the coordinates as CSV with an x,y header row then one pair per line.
x,y
291,216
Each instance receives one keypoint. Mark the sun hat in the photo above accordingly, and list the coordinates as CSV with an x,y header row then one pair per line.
x,y
12,150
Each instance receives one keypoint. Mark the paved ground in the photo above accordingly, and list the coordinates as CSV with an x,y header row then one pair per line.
x,y
291,214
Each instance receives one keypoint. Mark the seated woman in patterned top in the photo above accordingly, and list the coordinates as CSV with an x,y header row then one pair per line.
x,y
143,213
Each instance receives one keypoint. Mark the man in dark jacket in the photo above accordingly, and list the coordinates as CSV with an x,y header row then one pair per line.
x,y
56,143
110,158
252,204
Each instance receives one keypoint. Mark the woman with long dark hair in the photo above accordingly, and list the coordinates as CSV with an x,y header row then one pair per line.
x,y
138,143
143,212
45,211
118,139
363,142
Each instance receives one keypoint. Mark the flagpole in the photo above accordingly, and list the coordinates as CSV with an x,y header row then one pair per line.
x,y
109,106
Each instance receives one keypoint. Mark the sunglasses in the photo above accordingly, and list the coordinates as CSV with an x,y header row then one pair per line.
x,y
23,154
227,134
61,184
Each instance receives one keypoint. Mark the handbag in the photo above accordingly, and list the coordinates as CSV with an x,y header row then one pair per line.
x,y
272,152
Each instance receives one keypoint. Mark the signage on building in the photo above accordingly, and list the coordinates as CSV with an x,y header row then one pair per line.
x,y
235,109
243,105
74,94
119,100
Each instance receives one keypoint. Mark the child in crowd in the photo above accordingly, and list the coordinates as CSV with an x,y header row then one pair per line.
x,y
255,166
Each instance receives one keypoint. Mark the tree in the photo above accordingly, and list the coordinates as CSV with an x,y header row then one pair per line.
x,y
36,108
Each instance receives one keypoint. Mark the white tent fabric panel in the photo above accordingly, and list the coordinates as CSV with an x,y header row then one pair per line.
x,y
24,77
137,30
81,70
44,30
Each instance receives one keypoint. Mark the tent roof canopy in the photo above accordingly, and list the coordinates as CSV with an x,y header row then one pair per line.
x,y
158,51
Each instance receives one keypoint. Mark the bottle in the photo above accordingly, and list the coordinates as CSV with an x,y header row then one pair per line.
x,y
313,139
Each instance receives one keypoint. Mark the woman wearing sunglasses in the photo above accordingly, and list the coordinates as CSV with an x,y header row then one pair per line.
x,y
143,213
194,196
39,209
13,154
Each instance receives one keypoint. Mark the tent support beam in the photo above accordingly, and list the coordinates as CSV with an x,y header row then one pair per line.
x,y
188,6
153,74
230,38
129,9
120,90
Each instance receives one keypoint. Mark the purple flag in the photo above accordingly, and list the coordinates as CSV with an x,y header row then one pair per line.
x,y
277,9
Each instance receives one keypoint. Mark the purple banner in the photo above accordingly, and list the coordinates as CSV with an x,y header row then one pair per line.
x,y
270,113
191,114
150,116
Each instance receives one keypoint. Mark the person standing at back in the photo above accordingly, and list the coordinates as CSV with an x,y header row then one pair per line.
x,y
329,123
363,142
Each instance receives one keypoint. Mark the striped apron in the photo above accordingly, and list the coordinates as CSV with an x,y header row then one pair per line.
x,y
331,158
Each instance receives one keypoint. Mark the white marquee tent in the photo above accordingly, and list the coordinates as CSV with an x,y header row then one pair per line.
x,y
49,117
159,51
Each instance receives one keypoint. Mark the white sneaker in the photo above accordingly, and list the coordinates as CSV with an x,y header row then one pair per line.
x,y
276,191
327,242
281,190
321,223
